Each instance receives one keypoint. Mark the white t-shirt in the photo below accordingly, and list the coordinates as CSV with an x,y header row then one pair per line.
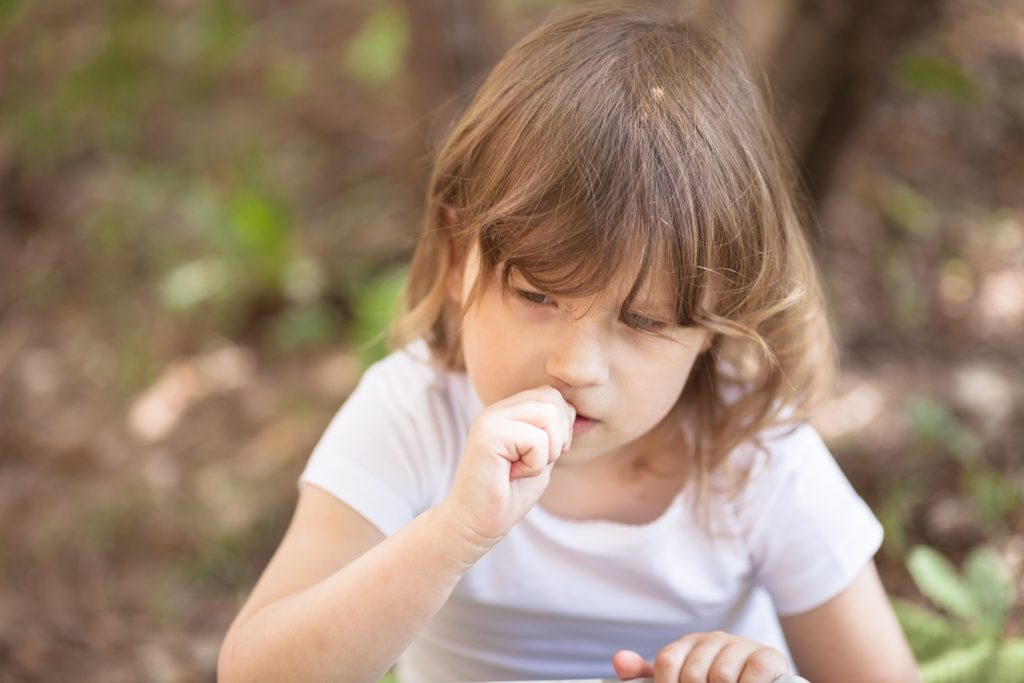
x,y
556,598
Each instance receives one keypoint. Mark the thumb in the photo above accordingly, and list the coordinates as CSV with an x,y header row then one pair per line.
x,y
629,664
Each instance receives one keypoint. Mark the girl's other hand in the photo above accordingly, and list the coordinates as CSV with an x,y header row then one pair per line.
x,y
506,464
706,658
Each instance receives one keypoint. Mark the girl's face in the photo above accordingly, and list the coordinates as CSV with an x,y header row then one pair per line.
x,y
607,364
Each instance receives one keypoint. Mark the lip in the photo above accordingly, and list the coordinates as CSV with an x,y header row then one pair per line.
x,y
582,425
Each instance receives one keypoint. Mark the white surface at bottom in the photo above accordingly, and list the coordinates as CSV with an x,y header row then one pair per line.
x,y
781,679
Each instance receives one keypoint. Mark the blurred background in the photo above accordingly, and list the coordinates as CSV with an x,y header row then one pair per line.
x,y
205,208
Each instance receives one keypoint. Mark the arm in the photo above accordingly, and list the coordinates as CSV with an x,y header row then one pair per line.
x,y
852,638
338,597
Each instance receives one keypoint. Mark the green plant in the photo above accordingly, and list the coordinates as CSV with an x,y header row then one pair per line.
x,y
375,54
993,495
894,511
935,427
935,75
966,643
377,301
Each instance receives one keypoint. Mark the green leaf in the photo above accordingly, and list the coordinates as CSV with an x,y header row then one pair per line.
x,y
306,327
969,664
936,578
994,494
932,74
195,282
9,11
992,586
377,303
897,501
929,633
263,232
224,28
932,424
377,51
907,207
1009,663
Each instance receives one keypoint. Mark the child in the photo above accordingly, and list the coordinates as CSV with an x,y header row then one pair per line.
x,y
587,456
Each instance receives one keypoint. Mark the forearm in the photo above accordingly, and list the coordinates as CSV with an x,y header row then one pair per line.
x,y
353,625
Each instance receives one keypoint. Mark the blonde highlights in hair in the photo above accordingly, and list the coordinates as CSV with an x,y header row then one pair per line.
x,y
626,134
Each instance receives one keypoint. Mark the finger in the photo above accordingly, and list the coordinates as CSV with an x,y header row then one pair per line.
x,y
698,661
549,394
669,661
728,664
543,415
629,664
764,665
526,447
515,440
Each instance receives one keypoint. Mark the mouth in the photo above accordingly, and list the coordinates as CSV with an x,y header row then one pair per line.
x,y
582,424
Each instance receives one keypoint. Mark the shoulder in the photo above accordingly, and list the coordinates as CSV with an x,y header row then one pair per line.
x,y
409,381
392,446
409,367
785,448
806,529
410,393
788,456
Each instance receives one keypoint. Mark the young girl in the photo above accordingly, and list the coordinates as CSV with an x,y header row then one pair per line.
x,y
587,456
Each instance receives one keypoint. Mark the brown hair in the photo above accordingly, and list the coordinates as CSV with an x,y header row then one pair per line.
x,y
625,133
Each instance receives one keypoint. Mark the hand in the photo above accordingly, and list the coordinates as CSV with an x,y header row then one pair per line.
x,y
706,658
506,464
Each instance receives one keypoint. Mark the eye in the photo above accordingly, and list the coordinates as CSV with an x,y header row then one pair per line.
x,y
644,324
535,298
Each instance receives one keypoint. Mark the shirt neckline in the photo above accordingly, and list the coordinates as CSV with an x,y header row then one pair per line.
x,y
610,531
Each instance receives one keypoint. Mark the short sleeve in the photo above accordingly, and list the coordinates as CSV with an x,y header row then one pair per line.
x,y
808,532
383,451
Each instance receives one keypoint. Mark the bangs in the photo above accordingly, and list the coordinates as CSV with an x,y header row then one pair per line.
x,y
570,255
574,210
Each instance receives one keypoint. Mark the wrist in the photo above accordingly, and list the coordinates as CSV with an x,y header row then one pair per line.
x,y
460,536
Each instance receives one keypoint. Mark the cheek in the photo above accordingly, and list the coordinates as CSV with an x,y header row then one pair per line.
x,y
494,355
661,381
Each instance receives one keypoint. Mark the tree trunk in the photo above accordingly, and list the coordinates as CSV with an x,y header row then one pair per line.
x,y
827,68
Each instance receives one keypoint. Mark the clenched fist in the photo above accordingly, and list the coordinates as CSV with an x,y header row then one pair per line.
x,y
506,464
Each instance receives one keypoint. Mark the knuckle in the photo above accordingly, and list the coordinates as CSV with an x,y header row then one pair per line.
x,y
727,667
692,672
666,659
543,443
721,675
550,393
484,421
766,660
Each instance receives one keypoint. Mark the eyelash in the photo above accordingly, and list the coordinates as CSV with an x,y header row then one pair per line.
x,y
636,322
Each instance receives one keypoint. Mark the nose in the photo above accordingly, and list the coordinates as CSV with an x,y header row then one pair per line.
x,y
578,357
